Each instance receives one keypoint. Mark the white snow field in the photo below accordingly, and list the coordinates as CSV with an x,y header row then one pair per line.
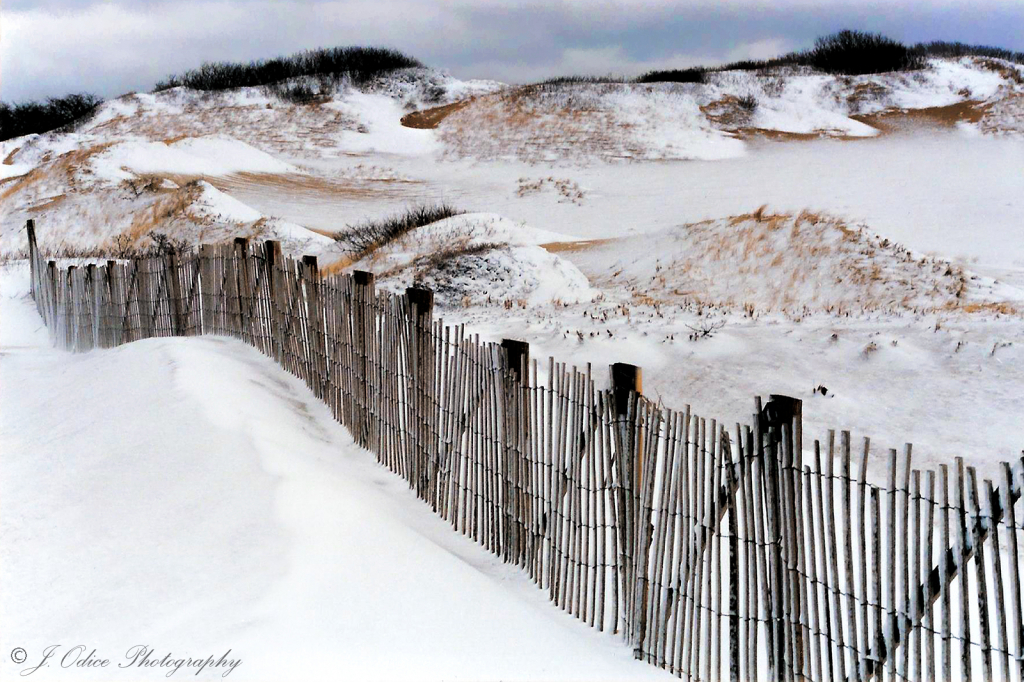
x,y
862,235
191,496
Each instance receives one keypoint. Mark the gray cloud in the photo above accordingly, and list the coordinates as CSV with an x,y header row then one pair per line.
x,y
51,47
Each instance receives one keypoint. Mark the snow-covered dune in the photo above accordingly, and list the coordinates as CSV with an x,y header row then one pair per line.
x,y
189,495
480,258
583,121
789,263
325,164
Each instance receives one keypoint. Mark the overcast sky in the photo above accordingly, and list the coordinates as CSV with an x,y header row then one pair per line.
x,y
53,47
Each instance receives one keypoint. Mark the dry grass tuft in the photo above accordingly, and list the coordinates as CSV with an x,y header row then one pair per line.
x,y
172,205
1006,71
64,168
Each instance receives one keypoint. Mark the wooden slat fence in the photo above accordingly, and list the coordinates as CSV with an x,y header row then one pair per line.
x,y
717,554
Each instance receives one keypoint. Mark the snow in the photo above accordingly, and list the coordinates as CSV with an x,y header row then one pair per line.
x,y
670,126
215,203
189,495
937,193
480,258
579,122
421,88
484,228
193,156
235,155
133,105
866,301
583,122
942,82
13,170
384,133
782,262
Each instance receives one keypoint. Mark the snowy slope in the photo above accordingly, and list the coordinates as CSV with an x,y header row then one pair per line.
x,y
480,259
189,495
349,153
579,122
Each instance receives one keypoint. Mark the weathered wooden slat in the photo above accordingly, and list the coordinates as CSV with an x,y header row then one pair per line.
x,y
947,660
979,572
916,658
989,502
1014,607
833,561
962,559
862,546
812,576
928,620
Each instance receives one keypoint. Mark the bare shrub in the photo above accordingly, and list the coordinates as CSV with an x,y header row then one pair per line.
x,y
705,330
747,103
297,93
138,186
362,239
165,244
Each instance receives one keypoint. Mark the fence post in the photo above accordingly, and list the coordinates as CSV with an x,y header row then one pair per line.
x,y
108,306
362,318
92,291
51,303
779,412
626,388
315,318
174,294
30,227
244,286
116,312
626,380
421,305
206,289
71,310
517,358
275,282
516,431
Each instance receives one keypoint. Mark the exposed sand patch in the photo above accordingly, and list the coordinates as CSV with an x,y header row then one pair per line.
x,y
892,120
428,119
305,184
577,246
47,203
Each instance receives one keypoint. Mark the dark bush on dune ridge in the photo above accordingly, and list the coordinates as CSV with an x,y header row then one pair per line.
x,y
371,235
563,80
696,74
846,52
39,117
942,48
853,53
360,63
297,93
